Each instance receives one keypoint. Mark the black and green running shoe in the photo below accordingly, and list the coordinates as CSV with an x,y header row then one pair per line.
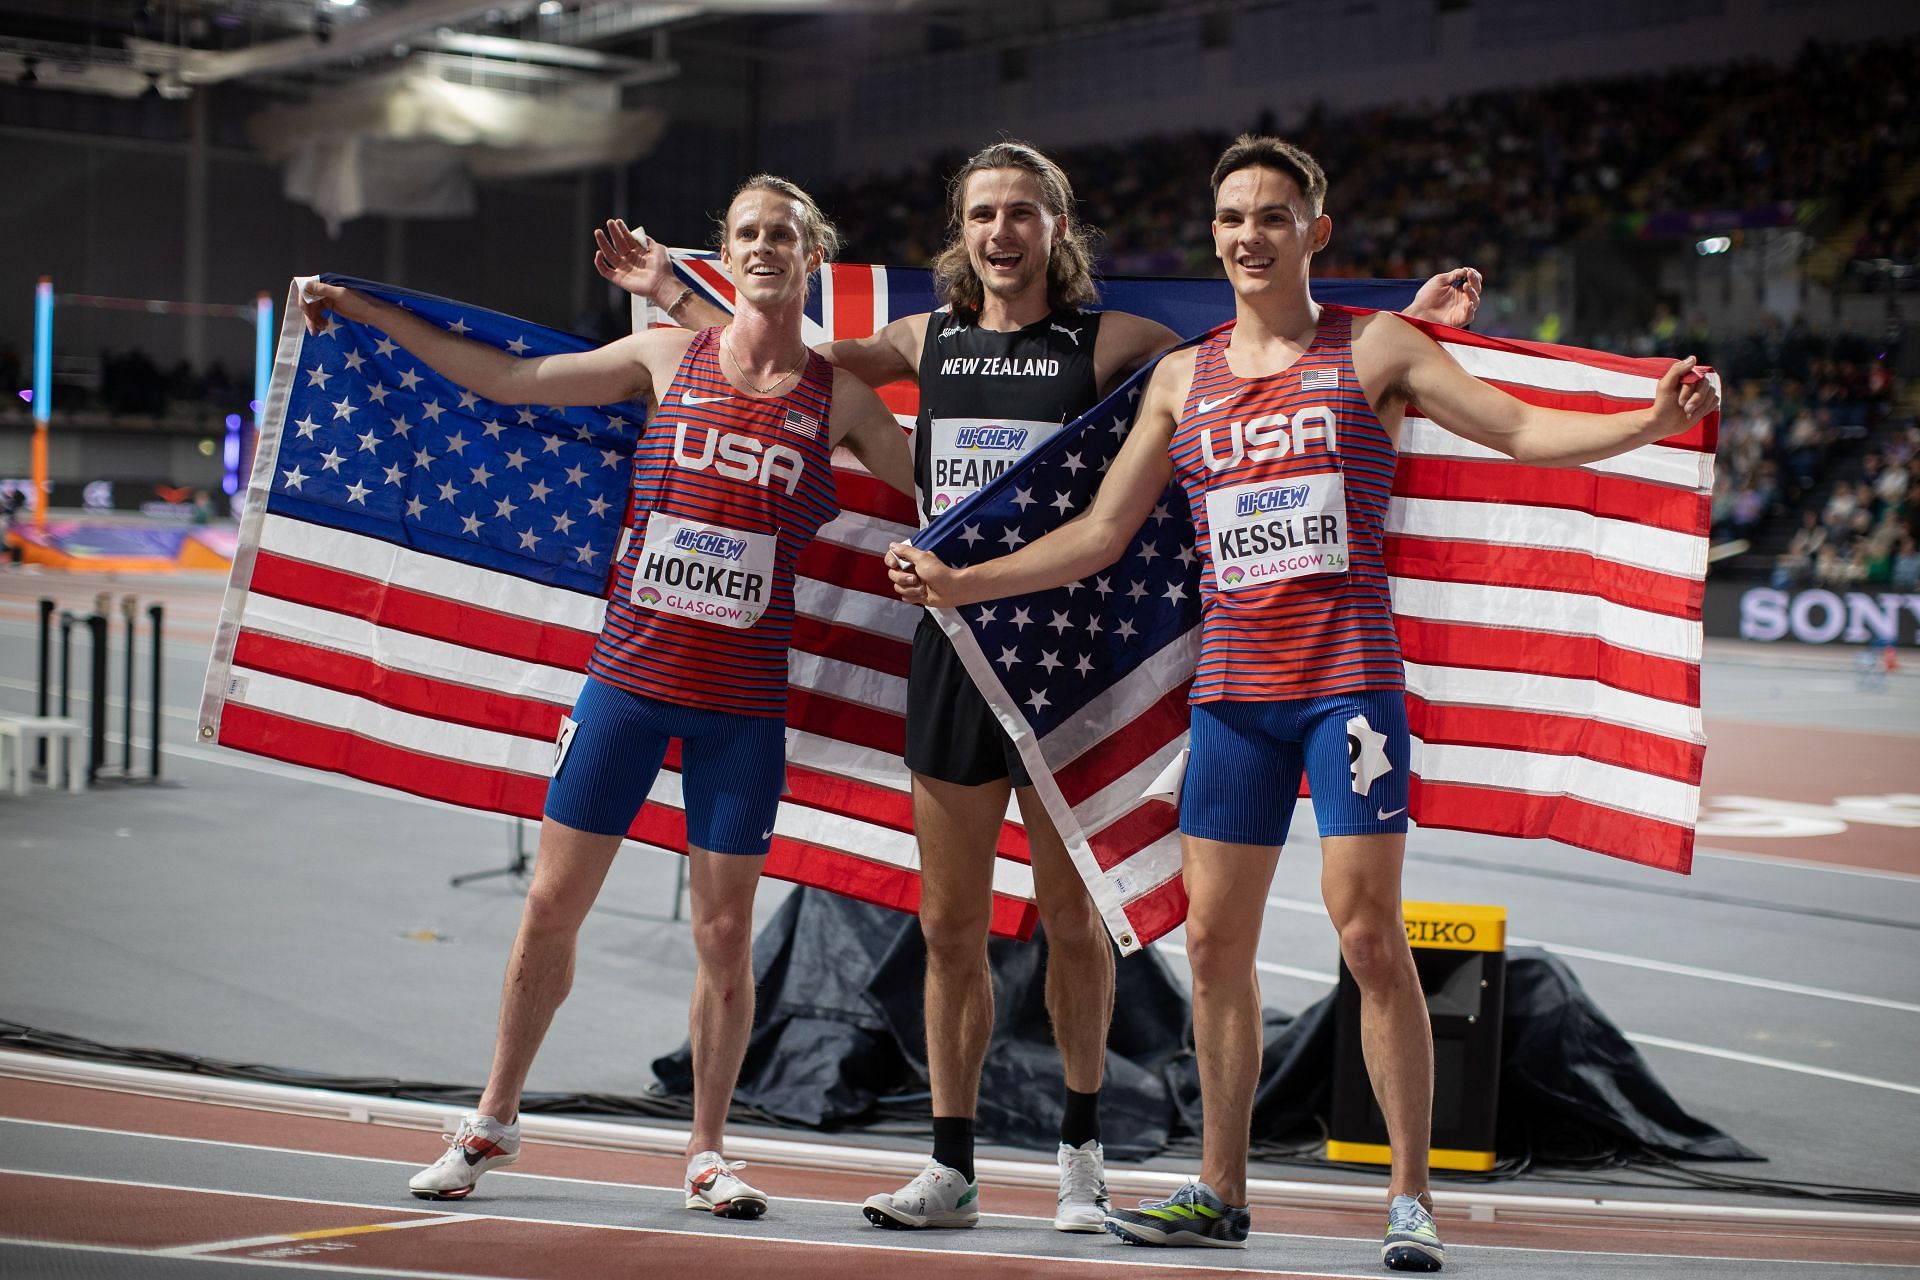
x,y
1192,1217
1413,1243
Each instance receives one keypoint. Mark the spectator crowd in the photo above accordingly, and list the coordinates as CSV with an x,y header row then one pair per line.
x,y
1496,178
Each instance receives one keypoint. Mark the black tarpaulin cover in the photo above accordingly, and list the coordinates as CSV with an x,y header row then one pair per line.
x,y
838,1041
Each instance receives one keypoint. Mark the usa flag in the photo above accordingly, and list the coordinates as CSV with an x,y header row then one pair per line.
x,y
421,575
1549,618
868,682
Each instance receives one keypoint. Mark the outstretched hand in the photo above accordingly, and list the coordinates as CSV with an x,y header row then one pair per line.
x,y
1450,298
629,258
317,299
920,577
1683,397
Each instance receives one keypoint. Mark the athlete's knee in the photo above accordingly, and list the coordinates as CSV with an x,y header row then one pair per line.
x,y
955,934
554,908
723,938
1219,953
1375,950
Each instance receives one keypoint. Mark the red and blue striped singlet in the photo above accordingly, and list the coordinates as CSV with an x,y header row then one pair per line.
x,y
1288,477
727,492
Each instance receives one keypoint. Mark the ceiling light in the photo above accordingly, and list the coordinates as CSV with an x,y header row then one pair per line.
x,y
550,8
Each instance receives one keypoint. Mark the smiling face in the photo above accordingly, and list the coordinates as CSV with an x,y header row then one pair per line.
x,y
1265,231
1009,231
766,250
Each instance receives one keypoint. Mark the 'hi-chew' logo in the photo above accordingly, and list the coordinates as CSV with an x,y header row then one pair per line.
x,y
1007,439
1287,497
705,542
648,596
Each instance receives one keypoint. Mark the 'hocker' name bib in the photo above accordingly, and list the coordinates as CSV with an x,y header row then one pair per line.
x,y
704,571
970,453
1273,530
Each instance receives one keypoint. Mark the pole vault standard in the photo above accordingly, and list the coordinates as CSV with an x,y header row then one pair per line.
x,y
261,313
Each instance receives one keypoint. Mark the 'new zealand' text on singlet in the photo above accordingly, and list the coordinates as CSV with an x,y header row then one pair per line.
x,y
989,398
1288,477
727,492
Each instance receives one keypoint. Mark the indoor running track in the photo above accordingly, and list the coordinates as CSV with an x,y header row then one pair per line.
x,y
99,1182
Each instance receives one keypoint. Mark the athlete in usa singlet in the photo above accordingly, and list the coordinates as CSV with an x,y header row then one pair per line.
x,y
1288,478
727,492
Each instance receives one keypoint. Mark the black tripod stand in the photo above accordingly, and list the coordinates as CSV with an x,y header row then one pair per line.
x,y
517,868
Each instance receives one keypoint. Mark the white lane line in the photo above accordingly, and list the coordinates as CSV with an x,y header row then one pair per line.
x,y
1800,864
894,1242
1876,1220
295,1237
1659,966
1754,1059
1716,975
1661,1042
126,1251
1717,1216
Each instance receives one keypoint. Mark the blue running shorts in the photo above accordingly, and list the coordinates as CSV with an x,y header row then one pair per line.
x,y
732,768
1243,776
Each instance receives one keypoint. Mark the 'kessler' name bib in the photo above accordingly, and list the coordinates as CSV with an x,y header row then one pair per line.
x,y
704,571
970,453
1273,530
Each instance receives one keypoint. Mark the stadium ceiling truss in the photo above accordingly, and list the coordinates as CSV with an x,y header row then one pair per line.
x,y
170,48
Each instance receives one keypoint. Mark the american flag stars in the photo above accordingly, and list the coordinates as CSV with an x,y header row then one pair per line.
x,y
1057,650
544,487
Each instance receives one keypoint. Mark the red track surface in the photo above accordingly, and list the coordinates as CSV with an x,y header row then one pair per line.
x,y
389,1231
1815,766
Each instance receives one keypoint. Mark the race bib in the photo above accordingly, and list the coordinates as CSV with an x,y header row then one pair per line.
x,y
704,571
1273,530
970,453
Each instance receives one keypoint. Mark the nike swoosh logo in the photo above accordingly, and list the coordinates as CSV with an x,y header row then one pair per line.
x,y
767,834
1383,815
1208,406
687,397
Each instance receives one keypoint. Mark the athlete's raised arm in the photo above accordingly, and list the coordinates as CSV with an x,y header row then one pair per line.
x,y
629,258
622,370
1451,297
1400,365
870,431
1090,541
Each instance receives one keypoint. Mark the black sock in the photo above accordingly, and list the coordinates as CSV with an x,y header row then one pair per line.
x,y
1080,1122
953,1143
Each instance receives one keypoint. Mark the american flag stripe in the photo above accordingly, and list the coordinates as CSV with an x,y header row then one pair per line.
x,y
407,668
1501,648
381,708
1660,755
1682,469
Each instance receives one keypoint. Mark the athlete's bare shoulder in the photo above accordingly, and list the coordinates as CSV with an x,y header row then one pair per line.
x,y
1172,379
1385,346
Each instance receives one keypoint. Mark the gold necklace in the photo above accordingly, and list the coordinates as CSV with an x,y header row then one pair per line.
x,y
726,345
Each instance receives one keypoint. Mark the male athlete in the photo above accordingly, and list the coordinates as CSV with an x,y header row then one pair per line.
x,y
1298,656
1013,355
731,477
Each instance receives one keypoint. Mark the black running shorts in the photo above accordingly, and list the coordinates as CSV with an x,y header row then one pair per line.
x,y
951,732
